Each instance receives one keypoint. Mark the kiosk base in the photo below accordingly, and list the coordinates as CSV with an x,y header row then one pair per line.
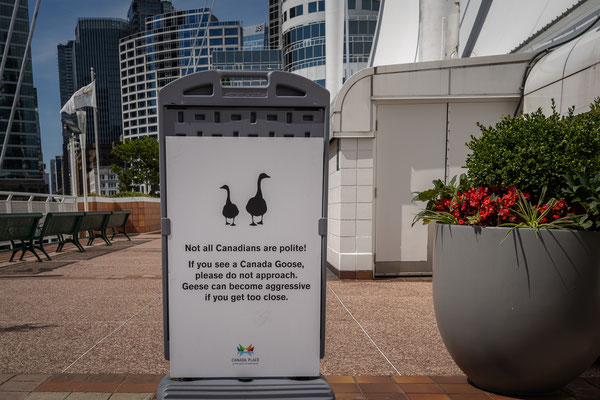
x,y
259,388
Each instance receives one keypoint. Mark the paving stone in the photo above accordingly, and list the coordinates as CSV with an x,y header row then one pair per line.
x,y
47,396
132,396
107,378
147,387
420,388
459,388
373,379
68,378
15,386
345,388
450,379
427,396
89,396
470,396
5,377
349,396
379,387
143,378
98,387
30,378
412,379
340,379
386,396
58,387
13,395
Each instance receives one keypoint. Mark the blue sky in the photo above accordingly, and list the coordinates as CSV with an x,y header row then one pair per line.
x,y
56,24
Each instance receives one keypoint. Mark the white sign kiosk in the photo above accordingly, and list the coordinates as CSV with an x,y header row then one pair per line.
x,y
243,200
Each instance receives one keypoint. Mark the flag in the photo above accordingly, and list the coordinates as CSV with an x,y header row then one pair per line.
x,y
84,97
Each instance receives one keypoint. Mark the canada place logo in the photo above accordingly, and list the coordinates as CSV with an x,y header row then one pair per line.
x,y
245,350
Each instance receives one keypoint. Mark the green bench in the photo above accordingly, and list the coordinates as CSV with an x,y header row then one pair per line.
x,y
118,220
60,224
95,221
20,227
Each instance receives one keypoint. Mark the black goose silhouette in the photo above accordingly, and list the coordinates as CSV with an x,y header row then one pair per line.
x,y
257,207
230,210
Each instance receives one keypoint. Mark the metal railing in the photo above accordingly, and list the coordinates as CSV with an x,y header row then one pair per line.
x,y
18,202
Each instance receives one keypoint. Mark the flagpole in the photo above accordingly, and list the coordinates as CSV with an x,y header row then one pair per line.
x,y
96,134
72,162
82,138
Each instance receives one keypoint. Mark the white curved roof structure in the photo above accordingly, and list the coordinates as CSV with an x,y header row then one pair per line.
x,y
486,27
570,75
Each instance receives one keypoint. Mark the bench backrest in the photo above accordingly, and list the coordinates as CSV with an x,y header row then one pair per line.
x,y
61,223
18,226
94,220
118,219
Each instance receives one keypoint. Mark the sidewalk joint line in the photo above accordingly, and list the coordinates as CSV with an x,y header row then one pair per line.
x,y
363,329
115,330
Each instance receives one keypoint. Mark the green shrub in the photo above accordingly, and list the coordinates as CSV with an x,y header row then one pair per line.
x,y
133,194
583,190
533,151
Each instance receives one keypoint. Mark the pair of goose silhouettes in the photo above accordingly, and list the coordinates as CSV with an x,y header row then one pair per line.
x,y
256,206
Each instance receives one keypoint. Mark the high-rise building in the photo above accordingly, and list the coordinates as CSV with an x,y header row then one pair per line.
x,y
96,46
161,54
66,84
139,10
56,175
66,75
247,60
303,36
274,24
256,37
22,169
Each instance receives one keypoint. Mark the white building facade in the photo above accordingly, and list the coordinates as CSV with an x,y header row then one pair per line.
x,y
109,183
303,36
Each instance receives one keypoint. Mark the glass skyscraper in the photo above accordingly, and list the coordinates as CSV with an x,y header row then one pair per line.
x,y
22,169
256,37
161,54
139,10
56,175
274,24
97,46
303,36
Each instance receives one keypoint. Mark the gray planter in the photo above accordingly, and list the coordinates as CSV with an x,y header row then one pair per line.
x,y
522,316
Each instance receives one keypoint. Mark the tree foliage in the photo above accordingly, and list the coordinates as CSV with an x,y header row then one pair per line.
x,y
141,166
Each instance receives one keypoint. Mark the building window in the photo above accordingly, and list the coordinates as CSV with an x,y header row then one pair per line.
x,y
232,40
321,5
372,5
351,4
312,7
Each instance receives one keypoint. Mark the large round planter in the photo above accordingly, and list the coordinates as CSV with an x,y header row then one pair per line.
x,y
522,316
